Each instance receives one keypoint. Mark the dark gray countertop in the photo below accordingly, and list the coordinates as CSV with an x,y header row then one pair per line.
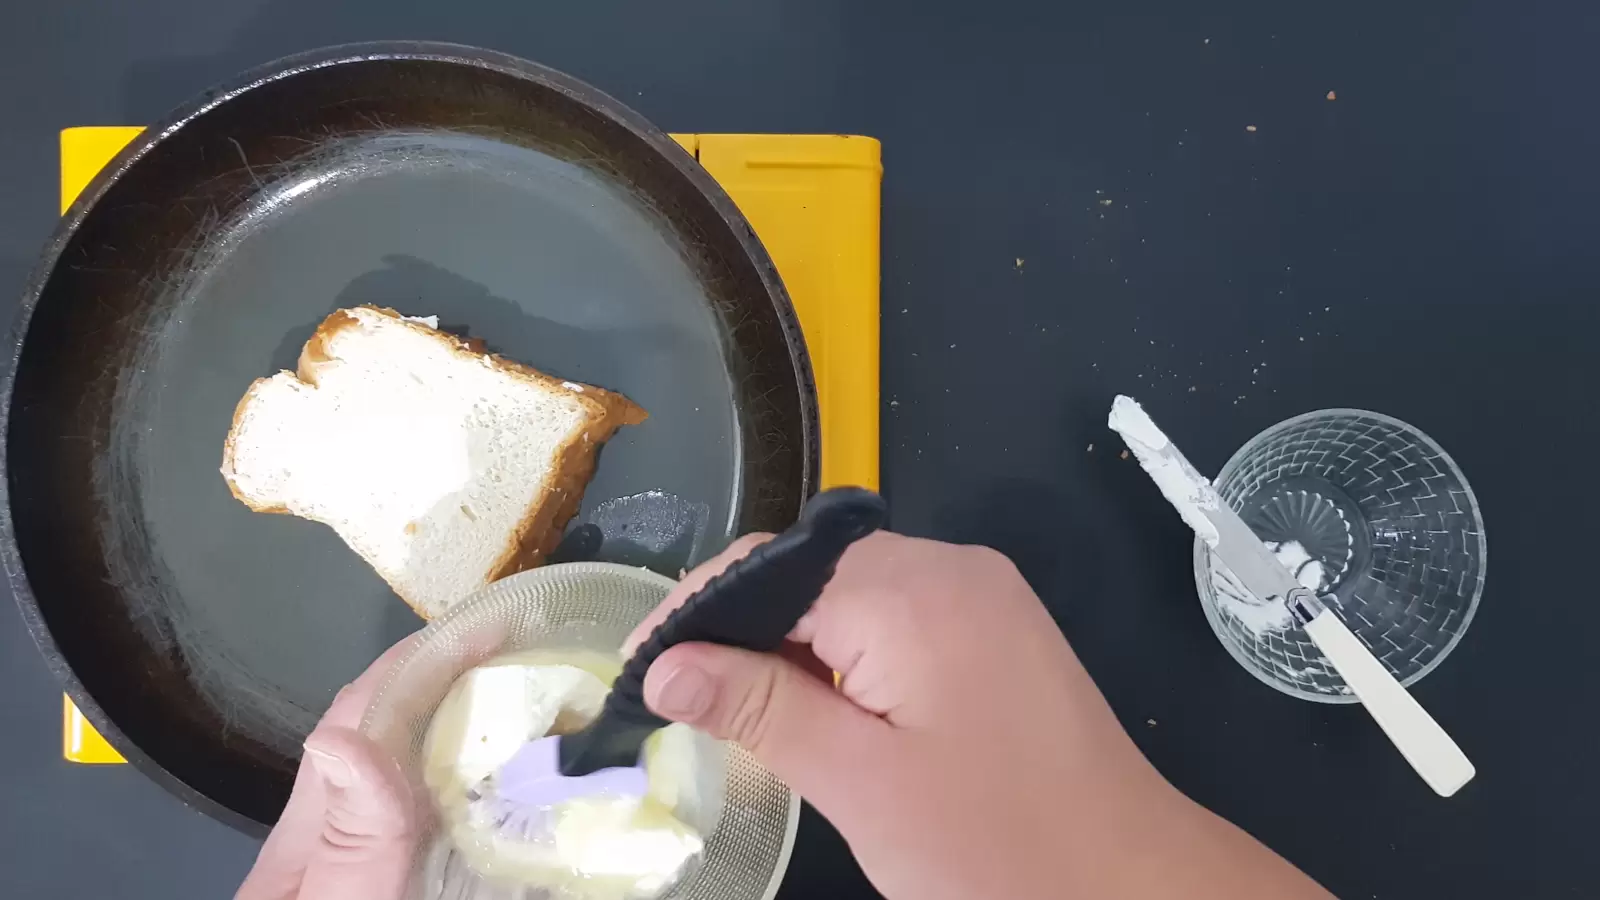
x,y
1422,245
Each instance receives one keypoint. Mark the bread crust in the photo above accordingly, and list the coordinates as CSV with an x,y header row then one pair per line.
x,y
227,452
557,499
541,531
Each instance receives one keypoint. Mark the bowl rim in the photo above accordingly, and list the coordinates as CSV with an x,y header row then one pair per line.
x,y
1201,553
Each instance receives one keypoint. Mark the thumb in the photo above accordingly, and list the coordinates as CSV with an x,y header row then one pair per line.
x,y
793,723
365,849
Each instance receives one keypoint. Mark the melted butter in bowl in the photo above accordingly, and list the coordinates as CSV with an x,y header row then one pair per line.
x,y
593,848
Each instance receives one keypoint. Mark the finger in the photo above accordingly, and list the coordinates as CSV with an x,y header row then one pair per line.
x,y
874,618
794,724
802,657
365,839
281,864
875,565
351,703
690,585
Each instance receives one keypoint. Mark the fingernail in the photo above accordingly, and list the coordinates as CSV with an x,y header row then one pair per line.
x,y
333,770
685,694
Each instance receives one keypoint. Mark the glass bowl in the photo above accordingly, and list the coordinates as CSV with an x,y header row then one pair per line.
x,y
1386,517
587,606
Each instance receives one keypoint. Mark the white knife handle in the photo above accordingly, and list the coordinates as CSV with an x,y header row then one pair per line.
x,y
1420,739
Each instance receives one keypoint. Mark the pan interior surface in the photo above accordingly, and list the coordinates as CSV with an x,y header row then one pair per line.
x,y
547,263
512,213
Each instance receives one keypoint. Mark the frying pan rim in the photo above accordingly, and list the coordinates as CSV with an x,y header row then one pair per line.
x,y
152,137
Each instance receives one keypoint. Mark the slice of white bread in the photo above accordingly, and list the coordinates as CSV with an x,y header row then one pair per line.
x,y
444,466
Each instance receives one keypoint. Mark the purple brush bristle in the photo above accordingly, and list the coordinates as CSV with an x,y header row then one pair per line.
x,y
530,784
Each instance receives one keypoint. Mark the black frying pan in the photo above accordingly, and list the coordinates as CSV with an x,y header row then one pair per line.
x,y
520,206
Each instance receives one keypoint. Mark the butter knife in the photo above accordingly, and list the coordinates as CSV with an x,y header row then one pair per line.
x,y
1420,739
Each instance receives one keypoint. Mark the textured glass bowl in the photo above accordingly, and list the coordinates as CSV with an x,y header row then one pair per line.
x,y
587,606
1392,523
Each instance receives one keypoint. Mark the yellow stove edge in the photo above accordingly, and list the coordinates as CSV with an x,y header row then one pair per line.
x,y
813,199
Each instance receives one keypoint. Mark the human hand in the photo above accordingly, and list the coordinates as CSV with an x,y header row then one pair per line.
x,y
347,829
965,751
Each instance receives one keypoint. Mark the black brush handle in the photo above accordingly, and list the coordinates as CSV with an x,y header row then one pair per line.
x,y
753,604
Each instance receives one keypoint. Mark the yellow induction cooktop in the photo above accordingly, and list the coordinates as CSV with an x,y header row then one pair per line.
x,y
813,199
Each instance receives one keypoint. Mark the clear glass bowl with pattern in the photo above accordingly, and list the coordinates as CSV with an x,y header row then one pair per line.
x,y
1380,516
584,606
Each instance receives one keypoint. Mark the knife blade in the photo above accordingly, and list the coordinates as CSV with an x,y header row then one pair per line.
x,y
1196,500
